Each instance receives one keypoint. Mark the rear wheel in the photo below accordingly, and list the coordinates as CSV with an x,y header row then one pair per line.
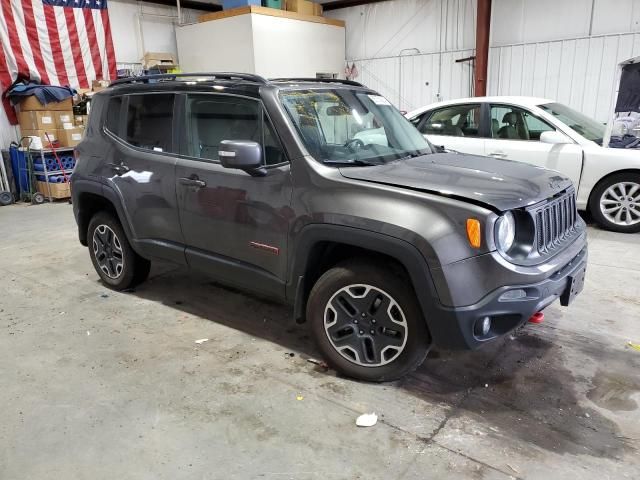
x,y
367,322
117,264
615,203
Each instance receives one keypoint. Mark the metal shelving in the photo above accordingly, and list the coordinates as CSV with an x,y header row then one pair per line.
x,y
47,173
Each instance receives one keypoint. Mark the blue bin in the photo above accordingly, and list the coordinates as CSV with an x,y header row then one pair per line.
x,y
227,4
19,166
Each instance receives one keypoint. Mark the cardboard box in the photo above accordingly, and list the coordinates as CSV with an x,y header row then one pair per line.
x,y
154,59
80,120
70,137
56,190
98,85
32,103
37,120
63,117
300,6
53,135
317,9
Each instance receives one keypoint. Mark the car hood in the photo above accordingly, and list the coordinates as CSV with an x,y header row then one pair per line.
x,y
499,184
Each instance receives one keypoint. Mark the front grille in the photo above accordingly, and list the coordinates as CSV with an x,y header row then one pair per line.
x,y
555,221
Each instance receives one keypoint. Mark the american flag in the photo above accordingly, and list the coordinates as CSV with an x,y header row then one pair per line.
x,y
56,42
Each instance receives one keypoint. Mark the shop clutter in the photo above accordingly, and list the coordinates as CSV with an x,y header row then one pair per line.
x,y
52,120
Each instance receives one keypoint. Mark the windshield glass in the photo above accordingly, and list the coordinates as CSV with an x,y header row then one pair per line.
x,y
585,126
350,127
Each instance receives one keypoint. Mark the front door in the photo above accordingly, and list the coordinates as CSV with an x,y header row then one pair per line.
x,y
235,224
456,127
515,135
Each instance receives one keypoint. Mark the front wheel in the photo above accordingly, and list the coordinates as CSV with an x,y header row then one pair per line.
x,y
118,265
367,322
615,203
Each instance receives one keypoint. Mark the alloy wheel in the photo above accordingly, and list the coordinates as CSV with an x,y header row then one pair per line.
x,y
365,325
620,203
108,251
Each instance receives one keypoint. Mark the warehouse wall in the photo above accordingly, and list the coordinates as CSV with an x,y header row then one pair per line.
x,y
561,49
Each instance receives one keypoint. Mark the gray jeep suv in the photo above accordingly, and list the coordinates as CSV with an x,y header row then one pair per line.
x,y
320,194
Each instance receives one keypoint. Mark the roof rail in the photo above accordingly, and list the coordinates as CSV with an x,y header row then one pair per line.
x,y
175,76
318,80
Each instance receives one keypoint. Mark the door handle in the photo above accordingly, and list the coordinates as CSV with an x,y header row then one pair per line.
x,y
192,181
498,154
119,168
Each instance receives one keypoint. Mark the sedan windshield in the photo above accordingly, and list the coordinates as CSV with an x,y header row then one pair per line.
x,y
585,126
347,127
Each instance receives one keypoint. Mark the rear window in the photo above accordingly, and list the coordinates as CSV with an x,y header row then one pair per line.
x,y
113,115
149,122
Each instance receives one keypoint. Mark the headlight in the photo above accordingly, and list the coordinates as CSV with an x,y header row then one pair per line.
x,y
505,231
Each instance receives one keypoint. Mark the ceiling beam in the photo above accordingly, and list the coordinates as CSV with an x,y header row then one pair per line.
x,y
195,4
347,3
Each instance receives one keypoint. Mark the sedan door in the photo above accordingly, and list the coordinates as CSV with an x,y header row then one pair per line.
x,y
455,127
235,224
515,135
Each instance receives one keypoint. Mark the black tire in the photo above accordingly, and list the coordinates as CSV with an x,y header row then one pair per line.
x,y
6,198
37,198
631,206
133,269
392,288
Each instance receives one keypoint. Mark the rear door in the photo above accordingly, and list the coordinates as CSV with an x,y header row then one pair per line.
x,y
515,135
140,166
455,127
235,225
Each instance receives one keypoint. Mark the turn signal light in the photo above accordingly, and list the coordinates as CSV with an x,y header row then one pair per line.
x,y
473,232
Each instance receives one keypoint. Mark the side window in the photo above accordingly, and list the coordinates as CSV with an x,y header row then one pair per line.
x,y
513,123
273,152
149,121
415,121
454,121
112,122
210,119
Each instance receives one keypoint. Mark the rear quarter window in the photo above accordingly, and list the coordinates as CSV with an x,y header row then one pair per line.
x,y
112,122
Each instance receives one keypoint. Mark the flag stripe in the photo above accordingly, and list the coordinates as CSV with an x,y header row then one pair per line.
x,y
111,56
76,50
65,46
93,41
14,41
45,45
23,39
34,41
54,41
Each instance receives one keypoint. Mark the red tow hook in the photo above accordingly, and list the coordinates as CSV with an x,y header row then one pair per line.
x,y
537,317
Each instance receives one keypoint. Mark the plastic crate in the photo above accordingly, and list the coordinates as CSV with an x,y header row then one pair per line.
x,y
228,4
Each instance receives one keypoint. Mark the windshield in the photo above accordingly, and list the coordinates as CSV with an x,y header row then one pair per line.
x,y
585,126
349,127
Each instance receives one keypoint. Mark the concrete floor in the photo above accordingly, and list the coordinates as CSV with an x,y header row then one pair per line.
x,y
102,385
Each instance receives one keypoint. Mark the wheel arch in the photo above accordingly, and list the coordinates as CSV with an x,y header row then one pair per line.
x,y
89,199
320,247
606,177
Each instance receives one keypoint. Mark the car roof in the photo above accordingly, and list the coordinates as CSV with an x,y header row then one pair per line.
x,y
516,100
229,81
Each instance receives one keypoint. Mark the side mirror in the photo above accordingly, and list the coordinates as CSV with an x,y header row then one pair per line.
x,y
554,138
243,155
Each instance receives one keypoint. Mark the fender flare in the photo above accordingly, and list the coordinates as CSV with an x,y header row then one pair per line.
x,y
400,250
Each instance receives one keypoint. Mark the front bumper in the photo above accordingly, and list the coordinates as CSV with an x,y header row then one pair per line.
x,y
508,307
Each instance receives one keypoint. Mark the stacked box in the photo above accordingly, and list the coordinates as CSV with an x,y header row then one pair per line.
x,y
51,122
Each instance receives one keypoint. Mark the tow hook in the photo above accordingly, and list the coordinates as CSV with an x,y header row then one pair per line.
x,y
537,317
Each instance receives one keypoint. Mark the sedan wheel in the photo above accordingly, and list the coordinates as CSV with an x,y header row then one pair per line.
x,y
615,202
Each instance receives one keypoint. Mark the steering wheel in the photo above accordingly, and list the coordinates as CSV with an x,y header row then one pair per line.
x,y
354,144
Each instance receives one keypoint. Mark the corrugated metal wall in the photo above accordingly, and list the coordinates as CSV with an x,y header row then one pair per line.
x,y
578,72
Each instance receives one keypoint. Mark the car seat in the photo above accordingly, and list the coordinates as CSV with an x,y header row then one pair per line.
x,y
509,130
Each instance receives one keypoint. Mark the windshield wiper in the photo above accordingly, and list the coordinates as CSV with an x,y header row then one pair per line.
x,y
356,161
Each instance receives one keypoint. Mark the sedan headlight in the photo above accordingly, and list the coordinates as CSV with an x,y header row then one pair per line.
x,y
505,231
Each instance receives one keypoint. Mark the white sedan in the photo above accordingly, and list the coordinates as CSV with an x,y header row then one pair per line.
x,y
548,134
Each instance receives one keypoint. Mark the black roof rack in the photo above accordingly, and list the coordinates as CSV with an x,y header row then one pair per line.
x,y
175,76
319,80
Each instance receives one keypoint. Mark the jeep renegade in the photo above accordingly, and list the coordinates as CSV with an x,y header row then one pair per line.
x,y
320,194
